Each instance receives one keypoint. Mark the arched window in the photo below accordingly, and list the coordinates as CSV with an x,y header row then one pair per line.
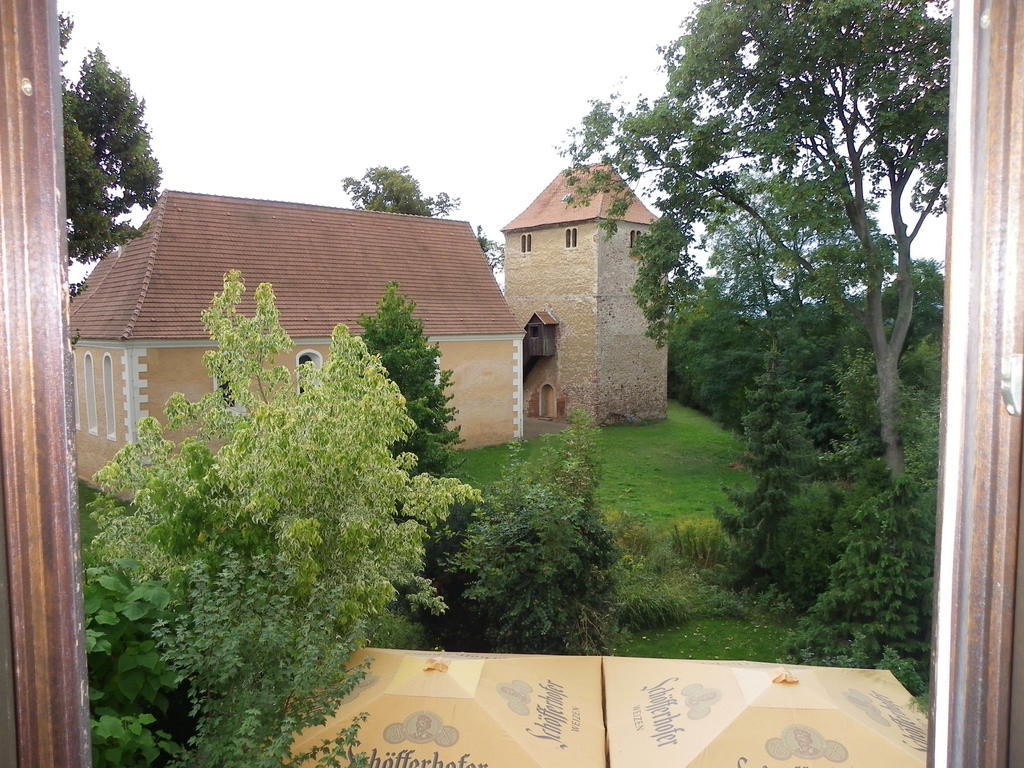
x,y
90,395
526,243
570,237
308,356
108,397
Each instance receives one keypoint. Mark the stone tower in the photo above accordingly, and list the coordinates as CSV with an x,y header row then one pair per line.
x,y
569,284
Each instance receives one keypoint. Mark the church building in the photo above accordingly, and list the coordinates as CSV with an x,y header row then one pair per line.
x,y
140,338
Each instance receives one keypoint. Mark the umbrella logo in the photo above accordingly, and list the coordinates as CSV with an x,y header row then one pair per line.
x,y
516,695
805,742
699,700
422,727
861,701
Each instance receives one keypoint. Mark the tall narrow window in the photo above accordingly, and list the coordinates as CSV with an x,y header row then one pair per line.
x,y
108,397
570,237
90,395
529,242
78,396
526,243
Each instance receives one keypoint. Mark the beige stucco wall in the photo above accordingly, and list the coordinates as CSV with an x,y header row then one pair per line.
x,y
562,281
483,386
604,363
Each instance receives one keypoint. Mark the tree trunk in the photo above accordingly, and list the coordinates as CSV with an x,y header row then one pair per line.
x,y
887,367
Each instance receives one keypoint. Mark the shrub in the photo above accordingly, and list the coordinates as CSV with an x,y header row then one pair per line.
x,y
648,601
703,543
541,558
880,589
262,663
129,683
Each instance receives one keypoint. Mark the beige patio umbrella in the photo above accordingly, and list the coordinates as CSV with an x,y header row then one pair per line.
x,y
693,714
448,710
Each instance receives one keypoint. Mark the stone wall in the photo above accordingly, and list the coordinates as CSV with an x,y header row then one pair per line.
x,y
605,363
632,370
562,281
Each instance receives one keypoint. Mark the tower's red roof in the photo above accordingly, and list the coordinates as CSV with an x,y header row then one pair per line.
x,y
551,207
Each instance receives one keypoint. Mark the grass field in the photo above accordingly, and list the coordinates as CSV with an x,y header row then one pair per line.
x,y
710,639
668,470
665,471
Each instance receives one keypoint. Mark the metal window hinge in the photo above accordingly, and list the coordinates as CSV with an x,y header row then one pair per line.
x,y
1012,381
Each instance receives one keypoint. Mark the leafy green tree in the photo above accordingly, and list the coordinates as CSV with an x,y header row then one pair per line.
x,y
395,190
494,252
836,112
414,364
285,506
541,556
109,165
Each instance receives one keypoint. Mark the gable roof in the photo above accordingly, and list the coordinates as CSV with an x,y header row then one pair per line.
x,y
550,206
327,266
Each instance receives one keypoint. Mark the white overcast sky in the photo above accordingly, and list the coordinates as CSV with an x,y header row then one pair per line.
x,y
281,100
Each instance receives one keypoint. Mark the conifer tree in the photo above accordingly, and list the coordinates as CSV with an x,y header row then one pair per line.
x,y
777,453
414,365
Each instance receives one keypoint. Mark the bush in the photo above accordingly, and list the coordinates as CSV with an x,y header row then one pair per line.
x,y
129,683
879,595
702,543
648,601
540,556
262,662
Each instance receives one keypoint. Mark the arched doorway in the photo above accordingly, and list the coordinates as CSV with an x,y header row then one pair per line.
x,y
547,402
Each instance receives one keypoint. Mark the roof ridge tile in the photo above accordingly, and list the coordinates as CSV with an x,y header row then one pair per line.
x,y
314,206
154,233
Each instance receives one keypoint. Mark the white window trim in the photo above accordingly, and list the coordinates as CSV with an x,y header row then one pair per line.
x,y
108,396
90,395
318,361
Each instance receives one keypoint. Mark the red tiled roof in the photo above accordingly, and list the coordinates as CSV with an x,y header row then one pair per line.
x,y
327,266
550,206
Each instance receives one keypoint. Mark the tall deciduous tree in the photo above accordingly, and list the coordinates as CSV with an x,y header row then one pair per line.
x,y
109,164
414,364
841,108
395,190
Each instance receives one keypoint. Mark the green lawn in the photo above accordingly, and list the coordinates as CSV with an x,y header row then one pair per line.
x,y
667,470
757,640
